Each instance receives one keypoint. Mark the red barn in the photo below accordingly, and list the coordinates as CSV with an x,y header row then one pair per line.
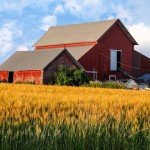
x,y
105,49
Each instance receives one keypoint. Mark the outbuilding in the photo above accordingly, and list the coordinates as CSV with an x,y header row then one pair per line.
x,y
35,66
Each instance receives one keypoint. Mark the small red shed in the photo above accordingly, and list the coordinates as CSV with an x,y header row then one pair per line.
x,y
35,66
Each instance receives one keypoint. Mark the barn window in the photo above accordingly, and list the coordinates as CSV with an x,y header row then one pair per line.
x,y
115,60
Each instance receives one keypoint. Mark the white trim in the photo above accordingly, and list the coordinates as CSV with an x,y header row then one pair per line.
x,y
115,50
94,74
112,76
91,71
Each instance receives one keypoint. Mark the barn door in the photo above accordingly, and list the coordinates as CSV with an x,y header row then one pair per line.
x,y
11,77
113,60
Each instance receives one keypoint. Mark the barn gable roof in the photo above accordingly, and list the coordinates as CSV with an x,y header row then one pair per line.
x,y
78,33
32,60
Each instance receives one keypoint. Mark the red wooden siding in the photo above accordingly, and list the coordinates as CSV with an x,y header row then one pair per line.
x,y
34,76
98,58
141,64
3,75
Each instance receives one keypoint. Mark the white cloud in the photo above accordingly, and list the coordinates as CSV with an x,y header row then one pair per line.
x,y
122,13
141,34
22,48
59,9
84,8
8,33
48,21
140,10
133,11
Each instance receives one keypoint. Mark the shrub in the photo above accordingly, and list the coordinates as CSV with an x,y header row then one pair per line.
x,y
107,84
70,76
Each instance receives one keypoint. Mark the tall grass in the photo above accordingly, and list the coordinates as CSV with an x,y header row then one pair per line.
x,y
70,118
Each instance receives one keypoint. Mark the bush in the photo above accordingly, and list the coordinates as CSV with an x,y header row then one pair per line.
x,y
107,84
70,76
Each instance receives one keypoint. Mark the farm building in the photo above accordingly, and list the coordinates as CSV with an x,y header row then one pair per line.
x,y
104,49
35,66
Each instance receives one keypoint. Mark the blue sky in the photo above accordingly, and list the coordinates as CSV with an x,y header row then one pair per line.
x,y
23,22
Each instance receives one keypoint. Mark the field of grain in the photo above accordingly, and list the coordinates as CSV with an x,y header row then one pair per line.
x,y
73,118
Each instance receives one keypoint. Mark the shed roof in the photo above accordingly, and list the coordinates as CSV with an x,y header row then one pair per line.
x,y
77,33
31,60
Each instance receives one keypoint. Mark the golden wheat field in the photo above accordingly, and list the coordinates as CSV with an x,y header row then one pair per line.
x,y
73,117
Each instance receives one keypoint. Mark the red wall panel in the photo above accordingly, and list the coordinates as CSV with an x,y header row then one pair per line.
x,y
141,64
3,75
34,76
145,64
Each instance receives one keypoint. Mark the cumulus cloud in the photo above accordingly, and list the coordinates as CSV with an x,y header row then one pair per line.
x,y
141,33
139,9
8,33
47,21
84,8
122,13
